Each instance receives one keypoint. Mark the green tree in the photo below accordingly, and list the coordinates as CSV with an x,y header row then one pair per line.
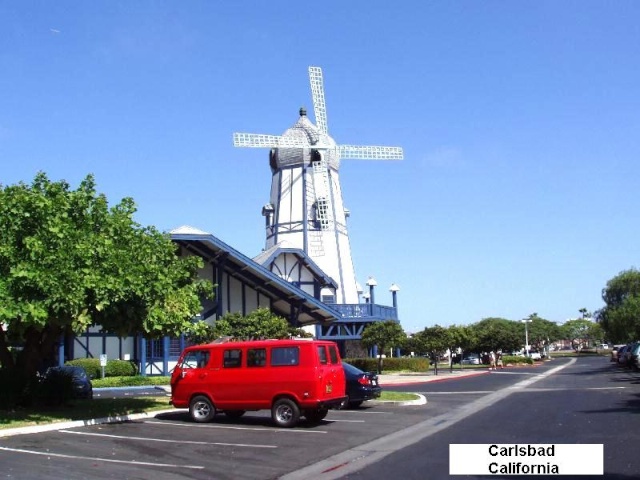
x,y
434,340
498,334
460,337
620,317
542,332
259,324
581,331
384,335
68,261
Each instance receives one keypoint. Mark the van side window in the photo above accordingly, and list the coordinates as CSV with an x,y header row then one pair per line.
x,y
232,358
256,357
285,356
333,354
322,354
196,359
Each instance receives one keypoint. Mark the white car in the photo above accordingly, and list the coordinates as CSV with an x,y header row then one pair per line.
x,y
535,355
471,360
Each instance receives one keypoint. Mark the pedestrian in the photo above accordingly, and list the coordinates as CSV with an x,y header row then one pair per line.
x,y
499,362
492,360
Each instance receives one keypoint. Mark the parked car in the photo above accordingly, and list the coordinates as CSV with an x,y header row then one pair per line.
x,y
622,358
471,359
80,381
633,354
360,386
535,355
292,378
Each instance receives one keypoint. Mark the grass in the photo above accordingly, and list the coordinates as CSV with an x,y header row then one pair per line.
x,y
397,396
81,410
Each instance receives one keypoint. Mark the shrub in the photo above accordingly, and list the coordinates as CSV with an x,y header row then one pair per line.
x,y
114,368
120,368
90,365
395,364
514,360
55,390
17,390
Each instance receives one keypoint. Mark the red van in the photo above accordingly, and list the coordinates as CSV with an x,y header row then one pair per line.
x,y
292,378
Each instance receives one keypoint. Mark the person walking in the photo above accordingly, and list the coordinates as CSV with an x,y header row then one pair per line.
x,y
499,362
492,360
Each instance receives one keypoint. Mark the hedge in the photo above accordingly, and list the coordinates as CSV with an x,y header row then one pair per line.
x,y
114,368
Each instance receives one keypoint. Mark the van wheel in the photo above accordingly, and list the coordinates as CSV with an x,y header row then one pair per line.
x,y
315,416
201,409
285,413
234,413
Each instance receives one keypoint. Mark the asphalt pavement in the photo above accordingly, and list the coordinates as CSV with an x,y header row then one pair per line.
x,y
386,380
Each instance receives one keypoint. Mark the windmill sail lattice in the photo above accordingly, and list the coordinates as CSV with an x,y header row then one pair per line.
x,y
306,197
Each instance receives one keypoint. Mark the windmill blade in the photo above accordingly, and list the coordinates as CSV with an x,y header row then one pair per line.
x,y
258,140
317,93
364,152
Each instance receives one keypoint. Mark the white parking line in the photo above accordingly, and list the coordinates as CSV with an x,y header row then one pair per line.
x,y
471,392
347,421
147,439
98,459
229,427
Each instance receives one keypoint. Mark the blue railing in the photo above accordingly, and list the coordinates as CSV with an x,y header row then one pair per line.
x,y
365,311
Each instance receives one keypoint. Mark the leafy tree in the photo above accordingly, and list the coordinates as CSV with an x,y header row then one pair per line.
x,y
384,335
581,331
259,324
498,334
460,337
68,261
542,332
620,317
434,340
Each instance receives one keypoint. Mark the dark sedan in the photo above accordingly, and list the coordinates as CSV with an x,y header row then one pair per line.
x,y
77,376
361,386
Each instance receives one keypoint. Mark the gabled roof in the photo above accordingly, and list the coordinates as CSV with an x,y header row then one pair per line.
x,y
282,293
266,257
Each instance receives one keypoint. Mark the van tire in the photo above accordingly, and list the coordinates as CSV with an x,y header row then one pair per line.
x,y
201,409
285,413
315,416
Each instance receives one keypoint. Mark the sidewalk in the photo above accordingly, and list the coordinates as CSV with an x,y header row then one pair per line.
x,y
409,378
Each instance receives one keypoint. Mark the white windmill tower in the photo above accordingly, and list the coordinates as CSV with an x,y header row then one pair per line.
x,y
306,209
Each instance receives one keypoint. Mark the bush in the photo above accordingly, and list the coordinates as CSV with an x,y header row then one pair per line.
x,y
17,390
515,360
55,389
395,364
114,368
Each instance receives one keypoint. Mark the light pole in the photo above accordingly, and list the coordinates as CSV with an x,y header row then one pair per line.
x,y
394,290
372,283
526,336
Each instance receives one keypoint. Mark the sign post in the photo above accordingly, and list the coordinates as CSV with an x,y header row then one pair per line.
x,y
103,362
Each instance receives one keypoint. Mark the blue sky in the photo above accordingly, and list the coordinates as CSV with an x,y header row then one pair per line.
x,y
519,122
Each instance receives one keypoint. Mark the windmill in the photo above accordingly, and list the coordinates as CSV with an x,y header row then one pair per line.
x,y
306,209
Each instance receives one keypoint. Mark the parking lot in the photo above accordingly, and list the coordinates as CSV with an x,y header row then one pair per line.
x,y
171,446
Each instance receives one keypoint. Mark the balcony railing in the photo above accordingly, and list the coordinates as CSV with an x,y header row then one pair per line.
x,y
365,311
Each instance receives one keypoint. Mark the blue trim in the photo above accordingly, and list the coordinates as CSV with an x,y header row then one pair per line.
x,y
312,304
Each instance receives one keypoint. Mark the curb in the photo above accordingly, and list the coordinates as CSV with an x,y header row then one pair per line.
x,y
421,400
80,423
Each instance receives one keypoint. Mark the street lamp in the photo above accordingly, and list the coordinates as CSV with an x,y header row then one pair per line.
x,y
526,336
372,283
394,290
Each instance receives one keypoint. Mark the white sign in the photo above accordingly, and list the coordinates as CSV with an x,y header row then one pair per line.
x,y
526,459
103,360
